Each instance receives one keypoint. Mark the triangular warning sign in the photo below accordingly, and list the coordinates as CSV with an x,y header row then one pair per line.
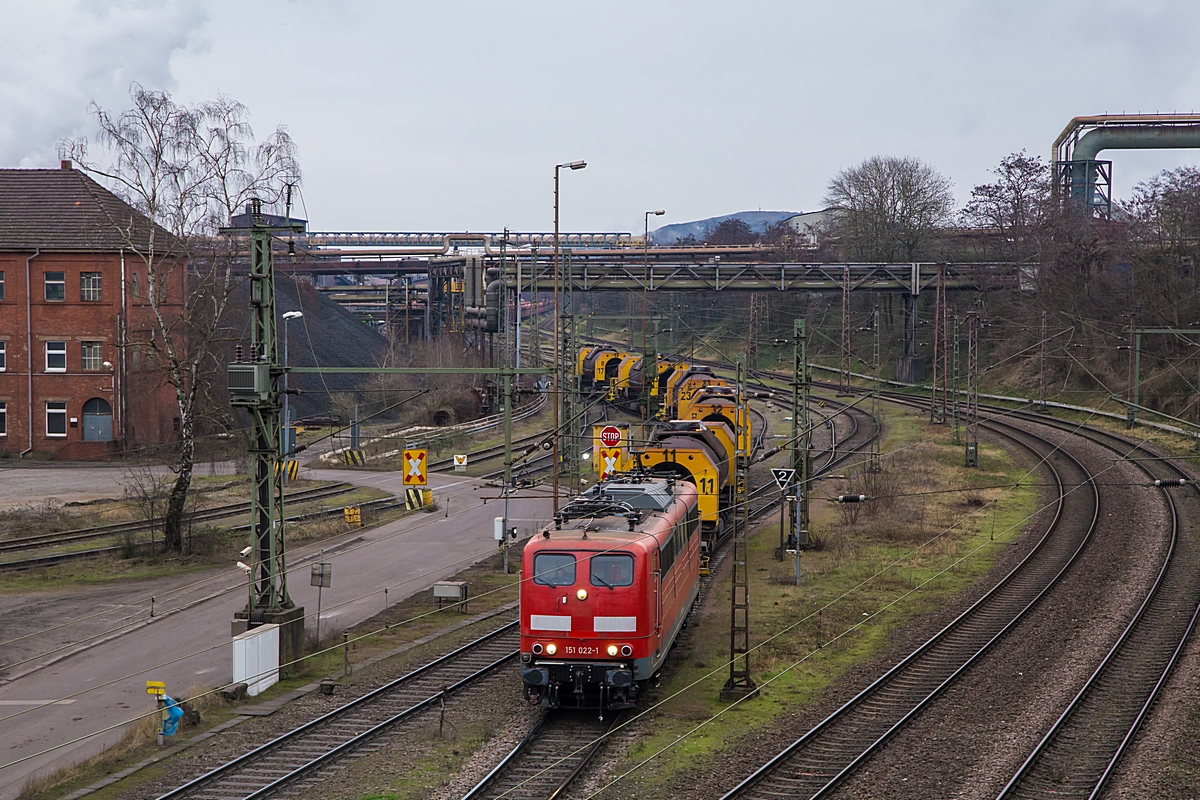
x,y
783,477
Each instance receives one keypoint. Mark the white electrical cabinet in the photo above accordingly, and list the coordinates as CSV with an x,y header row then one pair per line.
x,y
256,658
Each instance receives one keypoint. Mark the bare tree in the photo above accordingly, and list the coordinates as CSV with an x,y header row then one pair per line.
x,y
1015,208
188,169
891,207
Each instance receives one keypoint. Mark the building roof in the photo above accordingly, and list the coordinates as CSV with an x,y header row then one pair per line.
x,y
64,209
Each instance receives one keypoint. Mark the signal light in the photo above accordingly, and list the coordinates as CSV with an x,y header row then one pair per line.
x,y
612,649
551,649
581,594
537,649
626,650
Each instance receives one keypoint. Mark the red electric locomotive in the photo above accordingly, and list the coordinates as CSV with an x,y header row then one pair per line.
x,y
605,592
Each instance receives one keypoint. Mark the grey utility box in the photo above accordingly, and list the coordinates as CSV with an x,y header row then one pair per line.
x,y
249,384
451,591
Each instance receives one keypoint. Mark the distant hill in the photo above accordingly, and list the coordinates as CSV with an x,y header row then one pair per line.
x,y
757,220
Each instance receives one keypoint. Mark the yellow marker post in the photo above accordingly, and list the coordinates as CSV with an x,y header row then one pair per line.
x,y
159,690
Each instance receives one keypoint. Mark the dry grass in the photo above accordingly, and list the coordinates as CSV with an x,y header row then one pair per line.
x,y
138,741
911,548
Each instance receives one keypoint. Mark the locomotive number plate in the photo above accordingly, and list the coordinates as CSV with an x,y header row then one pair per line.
x,y
582,650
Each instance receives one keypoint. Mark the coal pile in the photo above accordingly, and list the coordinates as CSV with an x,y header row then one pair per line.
x,y
327,336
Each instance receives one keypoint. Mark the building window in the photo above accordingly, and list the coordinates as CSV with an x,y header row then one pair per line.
x,y
1,284
3,418
135,285
89,286
91,355
3,355
56,419
56,356
56,285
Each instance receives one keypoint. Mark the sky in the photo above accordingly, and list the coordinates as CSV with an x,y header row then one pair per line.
x,y
450,115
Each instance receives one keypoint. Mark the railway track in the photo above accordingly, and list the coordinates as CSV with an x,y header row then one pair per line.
x,y
46,541
553,755
815,764
840,450
304,756
548,759
1078,755
216,512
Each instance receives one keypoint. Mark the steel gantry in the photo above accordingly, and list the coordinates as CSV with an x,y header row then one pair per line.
x,y
1131,401
596,271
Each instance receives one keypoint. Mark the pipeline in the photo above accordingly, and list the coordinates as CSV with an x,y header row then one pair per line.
x,y
1135,137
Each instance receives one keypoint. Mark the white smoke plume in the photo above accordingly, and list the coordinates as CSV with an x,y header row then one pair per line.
x,y
60,55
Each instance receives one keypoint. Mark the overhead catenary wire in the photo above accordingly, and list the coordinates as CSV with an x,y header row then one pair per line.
x,y
720,669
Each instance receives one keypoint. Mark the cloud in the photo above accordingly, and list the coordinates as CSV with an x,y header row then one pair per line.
x,y
60,56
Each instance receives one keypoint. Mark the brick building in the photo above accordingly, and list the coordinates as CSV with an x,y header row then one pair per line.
x,y
72,299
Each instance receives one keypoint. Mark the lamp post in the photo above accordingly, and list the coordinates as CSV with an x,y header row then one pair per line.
x,y
572,165
285,443
645,282
112,373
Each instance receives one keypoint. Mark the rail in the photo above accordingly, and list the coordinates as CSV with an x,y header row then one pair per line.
x,y
424,434
1090,736
817,762
336,735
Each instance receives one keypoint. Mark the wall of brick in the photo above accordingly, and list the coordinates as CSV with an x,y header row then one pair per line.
x,y
142,405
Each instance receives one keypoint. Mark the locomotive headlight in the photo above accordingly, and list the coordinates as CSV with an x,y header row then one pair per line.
x,y
612,650
581,594
551,649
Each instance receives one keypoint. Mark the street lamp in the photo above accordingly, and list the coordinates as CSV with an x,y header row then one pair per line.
x,y
285,446
571,165
645,283
112,373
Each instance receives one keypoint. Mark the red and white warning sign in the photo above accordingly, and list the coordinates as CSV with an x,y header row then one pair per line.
x,y
610,436
608,462
610,449
414,468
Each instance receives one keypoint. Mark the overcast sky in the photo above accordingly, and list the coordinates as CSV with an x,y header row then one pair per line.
x,y
451,115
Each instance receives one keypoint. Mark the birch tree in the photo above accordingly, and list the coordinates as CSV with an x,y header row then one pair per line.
x,y
188,169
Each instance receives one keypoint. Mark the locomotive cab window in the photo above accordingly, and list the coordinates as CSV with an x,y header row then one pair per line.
x,y
612,571
554,569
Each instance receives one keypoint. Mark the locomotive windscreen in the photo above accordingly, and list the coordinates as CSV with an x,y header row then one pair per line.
x,y
554,569
612,570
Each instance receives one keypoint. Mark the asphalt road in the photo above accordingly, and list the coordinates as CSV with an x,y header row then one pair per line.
x,y
34,483
187,643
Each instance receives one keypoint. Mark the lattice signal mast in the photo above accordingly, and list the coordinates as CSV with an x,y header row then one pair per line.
x,y
844,382
873,460
740,683
752,338
972,447
937,400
